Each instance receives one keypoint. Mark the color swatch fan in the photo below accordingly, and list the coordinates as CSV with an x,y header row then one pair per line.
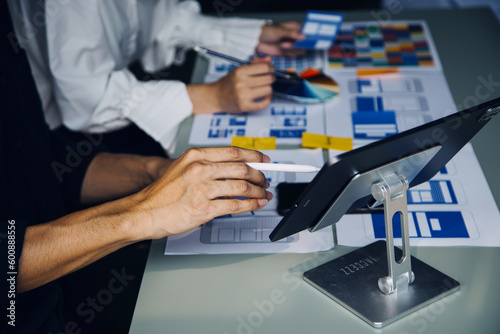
x,y
310,86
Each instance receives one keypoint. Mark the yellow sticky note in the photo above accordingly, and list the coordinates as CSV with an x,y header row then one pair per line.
x,y
255,143
311,140
376,71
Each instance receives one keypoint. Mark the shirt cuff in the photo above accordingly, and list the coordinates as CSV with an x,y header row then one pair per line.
x,y
187,27
160,114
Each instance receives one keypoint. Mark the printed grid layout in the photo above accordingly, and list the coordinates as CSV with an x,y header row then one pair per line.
x,y
381,45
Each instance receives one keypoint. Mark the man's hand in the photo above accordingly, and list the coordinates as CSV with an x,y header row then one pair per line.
x,y
245,88
202,184
199,186
277,39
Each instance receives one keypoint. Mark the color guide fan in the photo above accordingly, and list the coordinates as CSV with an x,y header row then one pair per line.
x,y
310,86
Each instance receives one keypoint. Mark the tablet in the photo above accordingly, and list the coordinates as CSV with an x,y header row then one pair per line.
x,y
446,136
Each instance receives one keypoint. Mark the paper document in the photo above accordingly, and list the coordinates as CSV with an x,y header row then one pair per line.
x,y
375,107
455,208
283,119
245,235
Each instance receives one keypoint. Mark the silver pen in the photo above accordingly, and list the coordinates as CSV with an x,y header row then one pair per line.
x,y
275,167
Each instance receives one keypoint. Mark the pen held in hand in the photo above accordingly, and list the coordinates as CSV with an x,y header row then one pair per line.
x,y
279,74
283,167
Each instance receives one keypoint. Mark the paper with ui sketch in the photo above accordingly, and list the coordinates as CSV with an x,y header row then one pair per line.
x,y
283,119
372,108
455,208
249,232
320,29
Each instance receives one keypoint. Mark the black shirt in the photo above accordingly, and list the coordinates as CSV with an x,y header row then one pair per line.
x,y
41,174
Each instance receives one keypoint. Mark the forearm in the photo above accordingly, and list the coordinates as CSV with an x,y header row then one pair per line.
x,y
112,176
54,249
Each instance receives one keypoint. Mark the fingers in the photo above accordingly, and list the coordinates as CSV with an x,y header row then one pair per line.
x,y
224,154
261,80
239,171
281,31
258,59
272,49
234,206
228,187
256,95
277,39
198,171
291,30
292,25
237,188
255,69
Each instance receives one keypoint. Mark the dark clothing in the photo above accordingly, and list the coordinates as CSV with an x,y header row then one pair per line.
x,y
129,140
41,174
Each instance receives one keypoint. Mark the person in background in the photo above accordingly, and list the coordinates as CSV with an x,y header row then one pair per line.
x,y
81,54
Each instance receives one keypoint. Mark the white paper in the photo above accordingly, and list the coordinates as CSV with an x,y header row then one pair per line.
x,y
455,208
412,99
283,119
224,237
249,232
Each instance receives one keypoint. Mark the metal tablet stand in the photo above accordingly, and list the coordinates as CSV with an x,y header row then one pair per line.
x,y
405,284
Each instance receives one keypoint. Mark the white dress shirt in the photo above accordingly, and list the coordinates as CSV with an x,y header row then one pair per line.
x,y
88,45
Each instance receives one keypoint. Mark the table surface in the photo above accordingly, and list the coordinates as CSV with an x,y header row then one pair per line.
x,y
266,293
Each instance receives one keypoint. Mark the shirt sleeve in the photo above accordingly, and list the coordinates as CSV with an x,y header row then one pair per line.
x,y
94,90
77,154
180,27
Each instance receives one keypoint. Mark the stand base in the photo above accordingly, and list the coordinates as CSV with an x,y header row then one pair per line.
x,y
351,280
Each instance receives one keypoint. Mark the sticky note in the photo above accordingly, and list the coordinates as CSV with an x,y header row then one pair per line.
x,y
376,71
311,140
255,143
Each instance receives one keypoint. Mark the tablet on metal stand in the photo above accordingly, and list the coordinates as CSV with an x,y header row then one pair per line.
x,y
379,282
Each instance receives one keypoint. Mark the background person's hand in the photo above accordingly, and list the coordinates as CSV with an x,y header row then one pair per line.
x,y
245,88
202,184
277,39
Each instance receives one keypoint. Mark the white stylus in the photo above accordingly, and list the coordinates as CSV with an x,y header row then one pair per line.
x,y
262,166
